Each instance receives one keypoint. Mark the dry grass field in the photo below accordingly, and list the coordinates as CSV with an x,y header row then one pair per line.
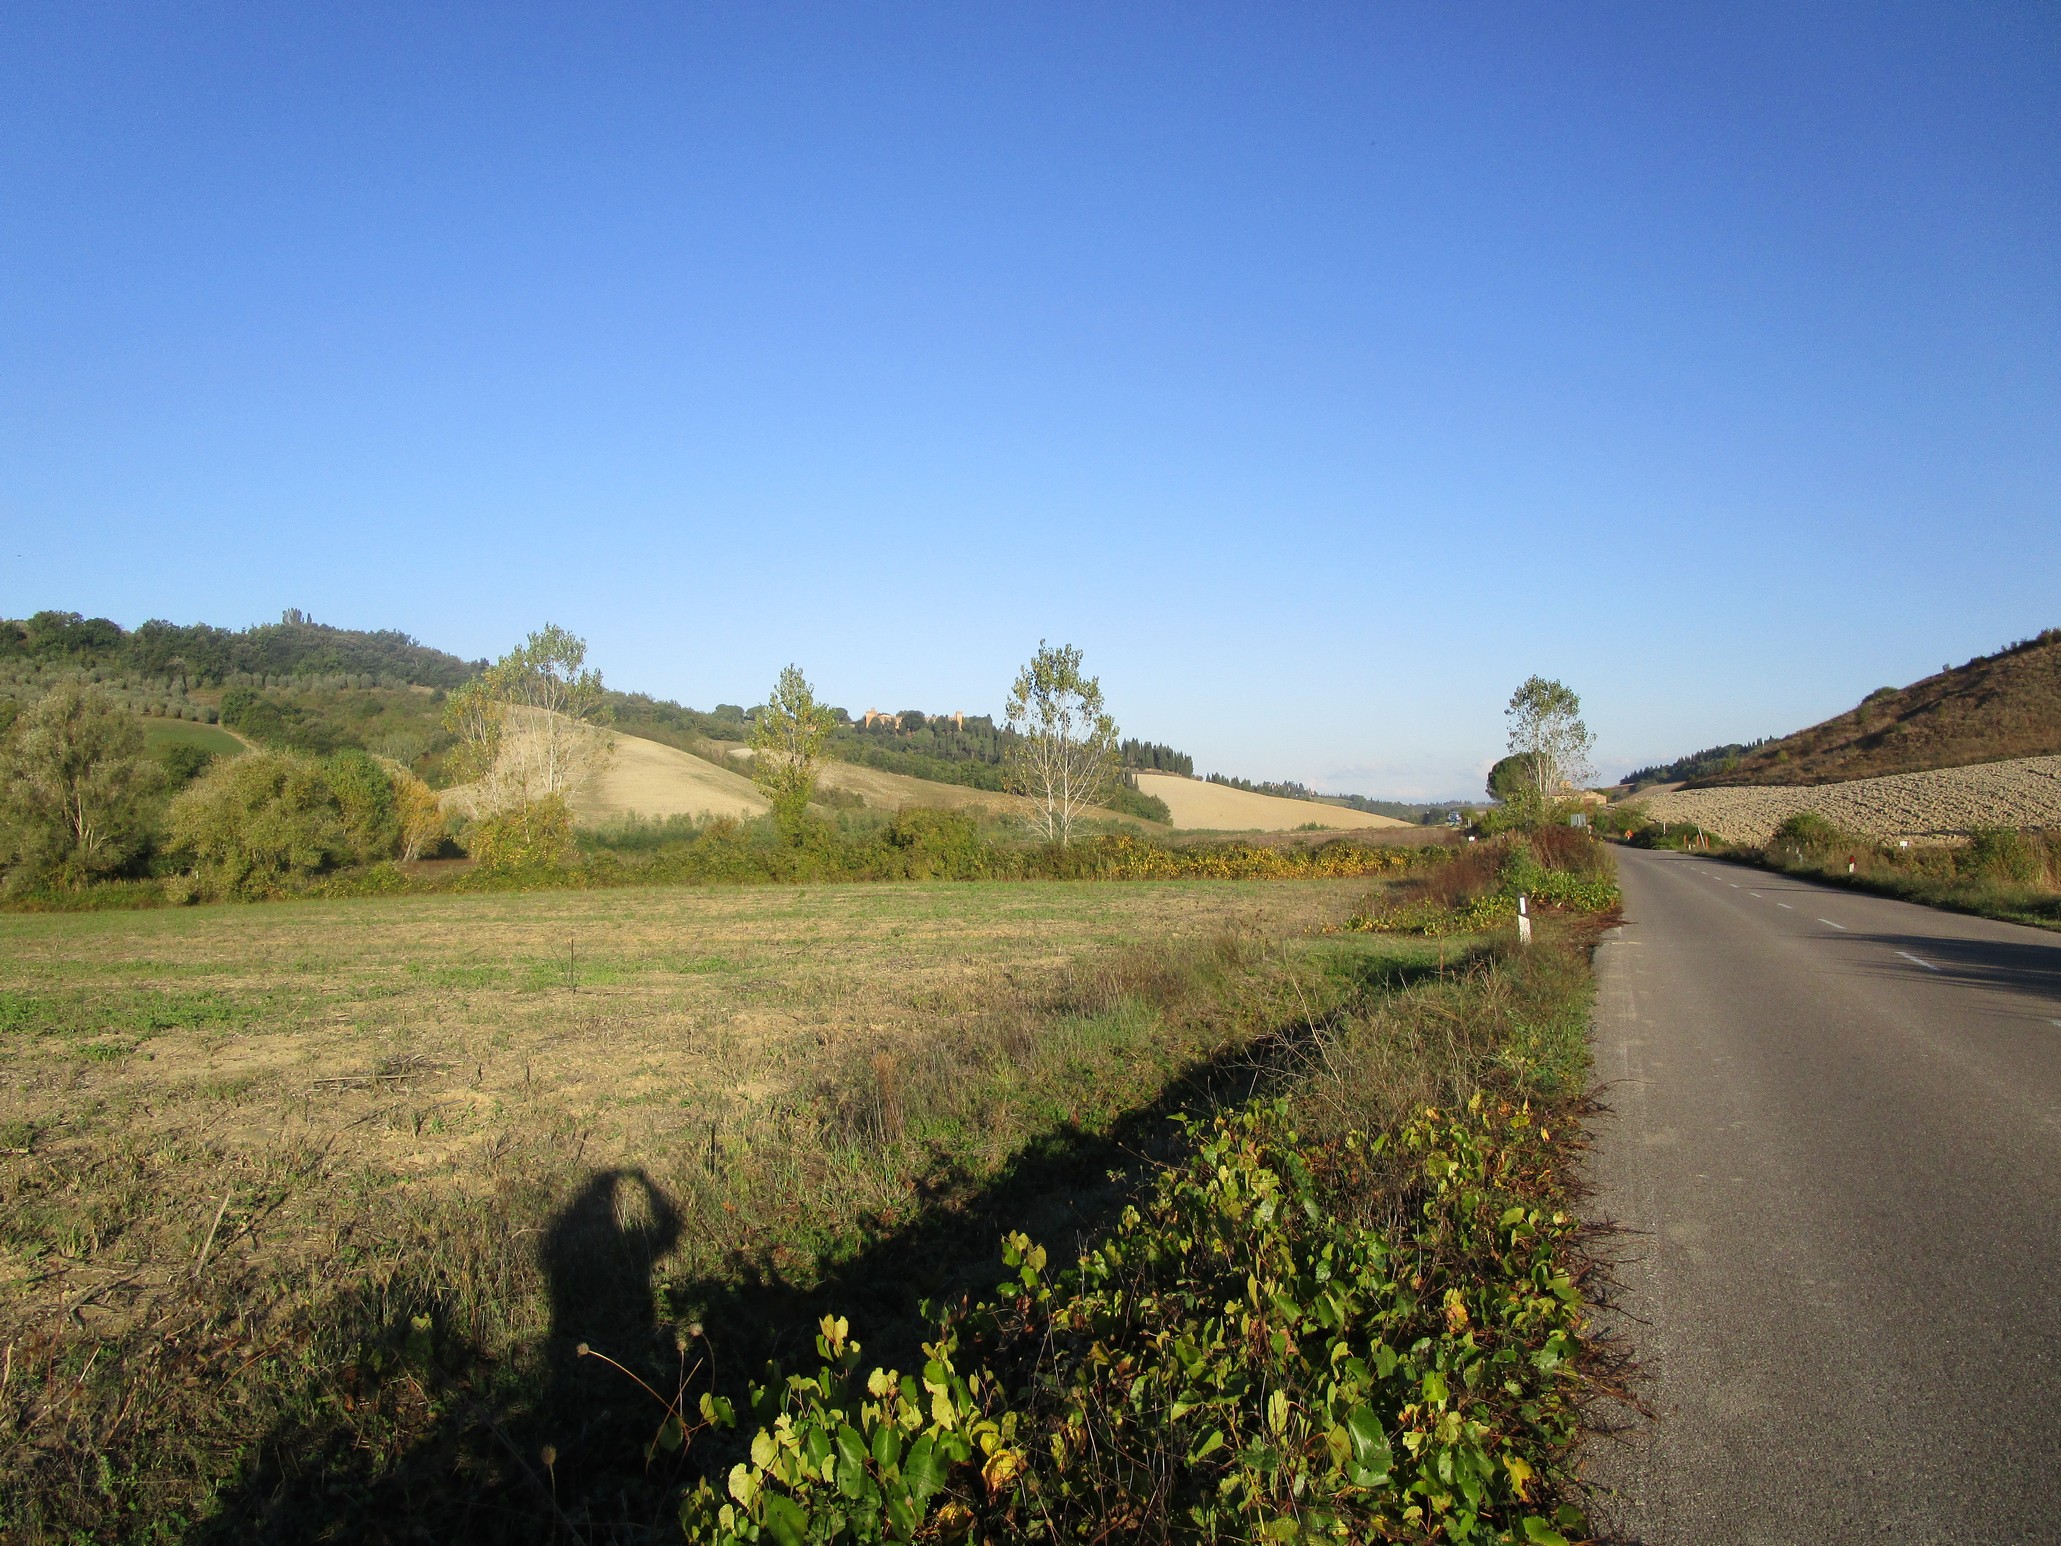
x,y
350,1179
1944,803
303,1059
1200,806
646,778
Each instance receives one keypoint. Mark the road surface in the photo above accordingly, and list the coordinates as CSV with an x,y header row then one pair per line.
x,y
1836,1135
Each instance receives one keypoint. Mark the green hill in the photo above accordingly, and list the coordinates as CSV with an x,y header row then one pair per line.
x,y
295,648
304,686
1994,707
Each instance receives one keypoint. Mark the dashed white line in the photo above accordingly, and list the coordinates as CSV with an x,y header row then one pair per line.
x,y
1756,894
1785,907
1831,925
1926,964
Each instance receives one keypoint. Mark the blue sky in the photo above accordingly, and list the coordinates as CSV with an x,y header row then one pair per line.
x,y
1322,371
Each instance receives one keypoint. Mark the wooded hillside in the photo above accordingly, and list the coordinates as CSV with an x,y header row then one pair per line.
x,y
199,654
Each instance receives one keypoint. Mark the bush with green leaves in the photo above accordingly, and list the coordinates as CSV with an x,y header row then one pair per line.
x,y
1553,867
253,826
183,762
535,834
76,791
2005,854
1809,834
366,804
1249,1357
1126,797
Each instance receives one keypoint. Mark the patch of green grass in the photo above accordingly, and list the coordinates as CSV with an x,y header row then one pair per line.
x,y
145,1012
159,733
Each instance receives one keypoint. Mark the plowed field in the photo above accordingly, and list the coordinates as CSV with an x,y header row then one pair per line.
x,y
1945,803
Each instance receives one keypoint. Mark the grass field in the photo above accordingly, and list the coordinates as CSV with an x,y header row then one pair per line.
x,y
159,733
245,1147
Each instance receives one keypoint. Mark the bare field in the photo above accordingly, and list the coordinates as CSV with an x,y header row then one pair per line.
x,y
1946,803
650,779
256,1089
1202,806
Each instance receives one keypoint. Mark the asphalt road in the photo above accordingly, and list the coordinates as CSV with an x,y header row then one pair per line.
x,y
1836,1137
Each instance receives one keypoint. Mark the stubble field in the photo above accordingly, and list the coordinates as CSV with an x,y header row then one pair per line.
x,y
247,1147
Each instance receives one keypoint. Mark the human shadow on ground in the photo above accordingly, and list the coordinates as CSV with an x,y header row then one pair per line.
x,y
559,1449
599,1255
550,1450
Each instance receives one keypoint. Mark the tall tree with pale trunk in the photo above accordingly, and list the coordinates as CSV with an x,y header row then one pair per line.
x,y
1546,728
528,724
1065,758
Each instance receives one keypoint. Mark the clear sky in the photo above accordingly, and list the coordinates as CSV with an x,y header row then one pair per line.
x,y
1322,371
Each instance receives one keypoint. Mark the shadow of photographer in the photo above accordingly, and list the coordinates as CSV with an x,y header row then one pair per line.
x,y
599,1256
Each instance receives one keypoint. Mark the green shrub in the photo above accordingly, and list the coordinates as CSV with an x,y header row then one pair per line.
x,y
1245,1358
2004,854
533,835
183,762
1560,867
933,845
1810,835
1129,799
257,823
75,790
364,791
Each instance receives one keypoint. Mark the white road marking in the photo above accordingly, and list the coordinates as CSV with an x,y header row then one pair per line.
x,y
1909,957
1756,894
1735,885
2054,1022
1785,907
1831,925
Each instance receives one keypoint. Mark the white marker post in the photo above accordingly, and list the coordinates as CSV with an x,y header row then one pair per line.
x,y
1523,923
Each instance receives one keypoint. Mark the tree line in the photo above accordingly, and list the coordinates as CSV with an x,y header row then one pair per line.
x,y
295,646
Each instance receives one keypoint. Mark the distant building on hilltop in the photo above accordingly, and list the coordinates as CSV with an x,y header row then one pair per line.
x,y
888,721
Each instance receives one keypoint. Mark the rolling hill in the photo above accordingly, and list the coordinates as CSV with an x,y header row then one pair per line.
x,y
1200,806
1996,707
648,778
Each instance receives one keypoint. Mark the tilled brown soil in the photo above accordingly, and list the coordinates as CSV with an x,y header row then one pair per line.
x,y
1946,803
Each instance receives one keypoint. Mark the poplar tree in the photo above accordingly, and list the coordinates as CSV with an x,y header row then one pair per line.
x,y
1064,760
787,741
1546,727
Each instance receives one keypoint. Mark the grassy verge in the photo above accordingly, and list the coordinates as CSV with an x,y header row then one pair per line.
x,y
2001,873
1346,1309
